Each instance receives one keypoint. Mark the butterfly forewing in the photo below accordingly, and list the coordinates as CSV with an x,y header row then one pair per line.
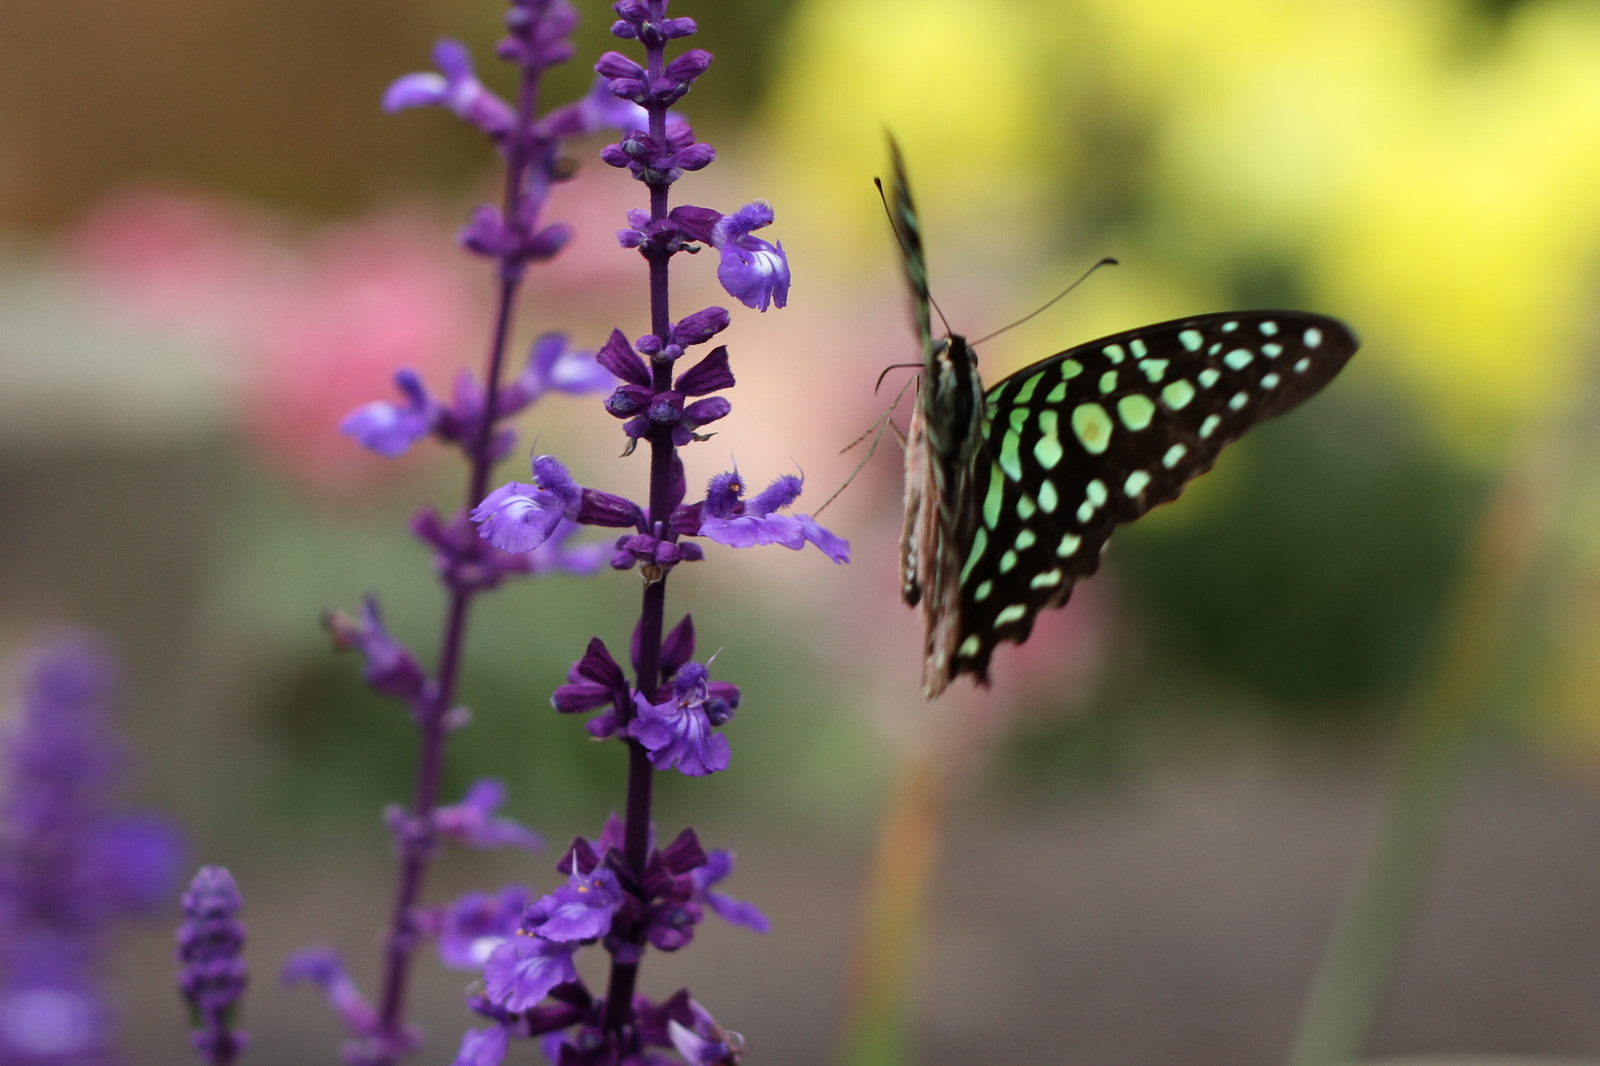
x,y
1097,435
1012,494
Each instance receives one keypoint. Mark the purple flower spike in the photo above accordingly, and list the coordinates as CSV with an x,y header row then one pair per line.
x,y
518,517
71,864
456,87
524,969
388,428
473,822
753,271
210,942
678,731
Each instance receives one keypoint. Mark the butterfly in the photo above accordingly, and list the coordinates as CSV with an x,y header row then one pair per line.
x,y
1012,492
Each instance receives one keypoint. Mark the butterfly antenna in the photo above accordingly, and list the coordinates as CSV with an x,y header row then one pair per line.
x,y
881,424
1107,261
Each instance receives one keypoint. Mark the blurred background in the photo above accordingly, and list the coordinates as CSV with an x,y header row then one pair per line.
x,y
1132,849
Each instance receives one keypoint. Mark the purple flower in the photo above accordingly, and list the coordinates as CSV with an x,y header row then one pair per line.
x,y
456,87
524,969
718,865
324,968
753,271
579,910
595,681
600,109
727,519
472,821
391,668
210,943
706,1043
678,731
552,366
518,517
388,428
482,1047
477,923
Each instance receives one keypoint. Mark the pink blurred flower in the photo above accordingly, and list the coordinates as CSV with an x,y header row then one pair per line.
x,y
308,326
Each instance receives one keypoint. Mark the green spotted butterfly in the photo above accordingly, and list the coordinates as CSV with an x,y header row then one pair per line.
x,y
1012,492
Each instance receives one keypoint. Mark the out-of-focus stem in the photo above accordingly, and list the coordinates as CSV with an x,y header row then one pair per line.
x,y
1435,740
401,940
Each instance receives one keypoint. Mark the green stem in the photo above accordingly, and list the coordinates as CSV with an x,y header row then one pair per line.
x,y
1435,741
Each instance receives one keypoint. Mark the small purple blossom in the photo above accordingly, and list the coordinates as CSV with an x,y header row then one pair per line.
x,y
727,519
678,730
391,668
524,969
482,1047
705,1043
577,911
388,428
518,517
473,822
600,109
475,924
718,865
552,366
595,681
753,271
455,87
210,945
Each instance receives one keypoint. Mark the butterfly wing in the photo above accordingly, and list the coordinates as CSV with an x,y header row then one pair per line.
x,y
1095,436
943,437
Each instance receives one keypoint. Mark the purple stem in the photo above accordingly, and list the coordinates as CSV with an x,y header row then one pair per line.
x,y
663,455
401,941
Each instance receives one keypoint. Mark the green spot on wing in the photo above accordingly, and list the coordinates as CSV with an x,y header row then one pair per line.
x,y
993,498
1178,394
1092,426
1136,410
1047,449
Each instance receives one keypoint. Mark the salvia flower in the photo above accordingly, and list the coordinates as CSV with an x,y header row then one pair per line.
x,y
370,1043
210,946
753,271
519,517
475,924
524,969
389,428
455,87
579,910
705,1043
678,730
718,865
473,821
391,667
729,519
